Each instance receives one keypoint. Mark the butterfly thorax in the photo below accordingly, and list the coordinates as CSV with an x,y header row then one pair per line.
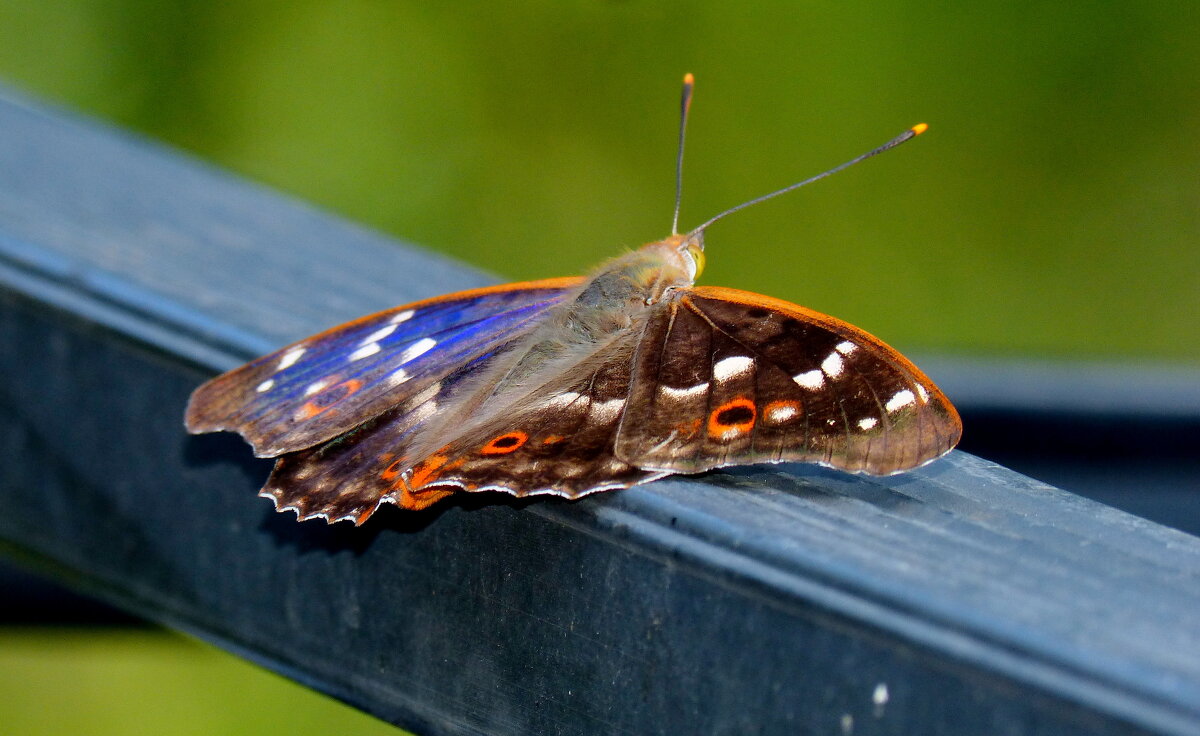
x,y
624,287
613,299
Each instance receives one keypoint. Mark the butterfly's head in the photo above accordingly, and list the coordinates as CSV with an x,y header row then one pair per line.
x,y
693,248
686,252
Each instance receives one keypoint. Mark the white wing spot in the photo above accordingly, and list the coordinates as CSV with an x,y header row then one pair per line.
x,y
399,317
900,400
867,423
417,349
683,393
813,379
780,414
365,351
607,410
290,357
833,364
846,347
316,386
922,393
379,334
727,368
266,385
398,377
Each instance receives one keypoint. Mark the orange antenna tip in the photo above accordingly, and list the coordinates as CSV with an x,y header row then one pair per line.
x,y
685,104
907,135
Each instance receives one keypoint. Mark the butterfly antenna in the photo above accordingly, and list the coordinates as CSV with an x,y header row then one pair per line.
x,y
909,134
685,104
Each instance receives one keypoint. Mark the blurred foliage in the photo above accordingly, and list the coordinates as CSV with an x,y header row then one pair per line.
x,y
1052,210
56,681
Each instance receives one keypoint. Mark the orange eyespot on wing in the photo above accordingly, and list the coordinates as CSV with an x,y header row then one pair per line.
x,y
735,416
505,443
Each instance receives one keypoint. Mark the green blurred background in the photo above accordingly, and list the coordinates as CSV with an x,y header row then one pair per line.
x,y
1052,210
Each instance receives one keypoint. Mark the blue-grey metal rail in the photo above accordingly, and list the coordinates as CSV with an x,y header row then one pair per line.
x,y
961,598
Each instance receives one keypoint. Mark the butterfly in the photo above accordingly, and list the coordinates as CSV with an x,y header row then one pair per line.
x,y
570,386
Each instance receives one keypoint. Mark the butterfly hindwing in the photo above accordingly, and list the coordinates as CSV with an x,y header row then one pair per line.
x,y
349,476
322,387
727,377
560,442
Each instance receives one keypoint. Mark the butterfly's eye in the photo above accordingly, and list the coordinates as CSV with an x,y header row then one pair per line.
x,y
697,255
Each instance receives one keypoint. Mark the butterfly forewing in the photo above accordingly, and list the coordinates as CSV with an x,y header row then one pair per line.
x,y
727,377
321,387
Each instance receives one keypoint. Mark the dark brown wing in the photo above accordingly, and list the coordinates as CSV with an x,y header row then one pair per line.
x,y
557,441
725,377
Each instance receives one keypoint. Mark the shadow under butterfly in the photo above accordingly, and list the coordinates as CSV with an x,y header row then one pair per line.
x,y
571,386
